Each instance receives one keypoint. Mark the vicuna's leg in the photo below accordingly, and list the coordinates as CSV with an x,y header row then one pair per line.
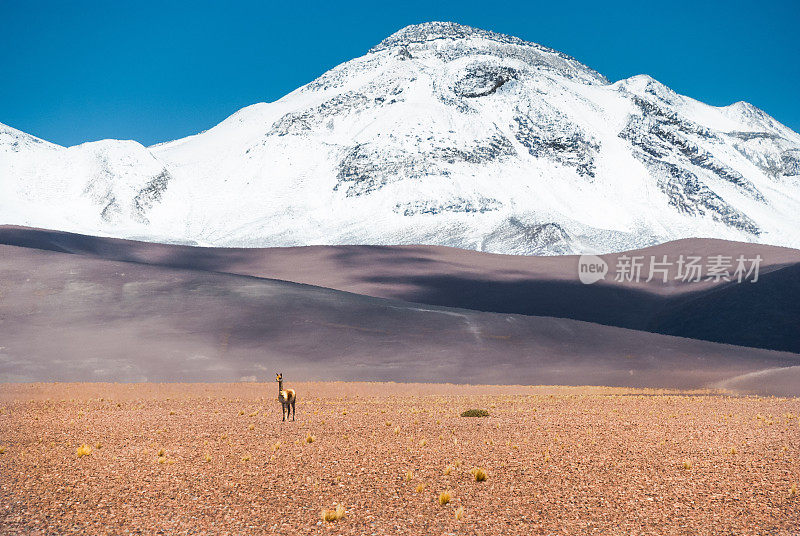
x,y
293,401
283,411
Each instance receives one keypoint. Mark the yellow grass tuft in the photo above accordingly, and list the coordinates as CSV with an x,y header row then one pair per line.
x,y
733,450
444,498
84,450
409,475
254,413
388,423
161,452
98,446
162,459
2,449
333,515
687,464
241,412
207,457
252,426
420,488
276,446
793,490
458,463
309,438
479,474
397,431
246,458
423,442
459,513
171,412
448,470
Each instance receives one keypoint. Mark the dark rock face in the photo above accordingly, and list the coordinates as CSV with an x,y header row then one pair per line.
x,y
482,80
150,195
458,204
666,144
553,136
367,168
537,236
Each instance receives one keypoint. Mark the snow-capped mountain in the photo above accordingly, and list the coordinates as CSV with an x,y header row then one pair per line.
x,y
441,134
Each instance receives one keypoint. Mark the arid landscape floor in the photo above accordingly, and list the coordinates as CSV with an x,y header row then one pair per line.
x,y
216,459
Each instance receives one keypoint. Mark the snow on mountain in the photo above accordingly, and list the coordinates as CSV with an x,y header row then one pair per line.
x,y
441,134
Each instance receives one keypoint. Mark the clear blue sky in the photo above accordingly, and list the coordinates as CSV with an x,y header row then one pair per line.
x,y
153,71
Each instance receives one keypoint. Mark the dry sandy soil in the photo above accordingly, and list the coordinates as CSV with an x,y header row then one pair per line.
x,y
560,460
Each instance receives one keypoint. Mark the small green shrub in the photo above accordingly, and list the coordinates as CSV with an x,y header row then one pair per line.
x,y
475,413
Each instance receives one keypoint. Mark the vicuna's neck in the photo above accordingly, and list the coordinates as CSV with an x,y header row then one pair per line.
x,y
280,385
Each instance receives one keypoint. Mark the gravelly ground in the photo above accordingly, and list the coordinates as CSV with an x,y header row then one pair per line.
x,y
559,460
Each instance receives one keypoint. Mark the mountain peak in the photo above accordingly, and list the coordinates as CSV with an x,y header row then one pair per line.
x,y
464,42
434,30
430,31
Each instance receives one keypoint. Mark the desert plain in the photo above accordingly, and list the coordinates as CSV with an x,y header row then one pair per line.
x,y
99,458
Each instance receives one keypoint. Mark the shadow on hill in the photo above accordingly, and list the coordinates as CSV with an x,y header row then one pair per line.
x,y
765,314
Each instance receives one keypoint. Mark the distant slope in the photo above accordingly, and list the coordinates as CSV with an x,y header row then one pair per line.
x,y
763,314
76,318
441,134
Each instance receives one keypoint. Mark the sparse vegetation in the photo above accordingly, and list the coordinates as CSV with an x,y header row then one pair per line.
x,y
420,488
459,513
310,438
687,464
479,474
475,413
335,514
84,450
444,498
